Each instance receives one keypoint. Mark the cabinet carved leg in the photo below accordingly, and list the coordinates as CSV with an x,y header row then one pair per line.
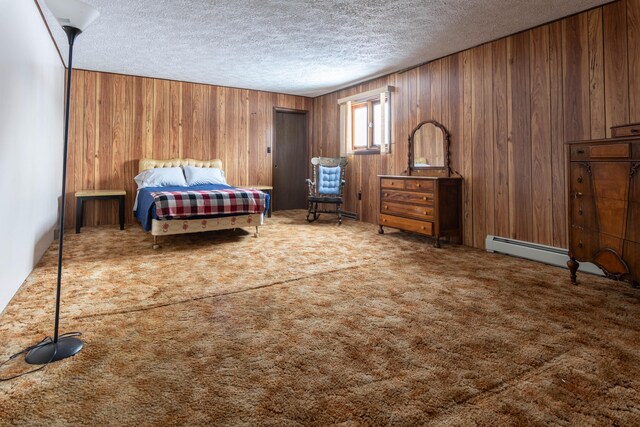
x,y
381,230
573,268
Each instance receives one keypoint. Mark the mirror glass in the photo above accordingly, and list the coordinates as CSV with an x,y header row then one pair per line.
x,y
428,146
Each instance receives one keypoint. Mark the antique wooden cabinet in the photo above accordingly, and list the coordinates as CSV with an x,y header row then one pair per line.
x,y
428,200
604,205
421,204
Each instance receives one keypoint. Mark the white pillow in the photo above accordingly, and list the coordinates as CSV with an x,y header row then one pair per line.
x,y
200,176
161,177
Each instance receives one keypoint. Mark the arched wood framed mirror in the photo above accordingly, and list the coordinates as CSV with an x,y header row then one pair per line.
x,y
429,150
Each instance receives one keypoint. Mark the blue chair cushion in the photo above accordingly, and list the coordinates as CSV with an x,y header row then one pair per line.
x,y
329,180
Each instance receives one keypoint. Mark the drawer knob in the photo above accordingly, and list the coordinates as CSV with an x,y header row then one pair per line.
x,y
386,206
635,130
578,194
425,212
424,198
579,244
580,211
580,179
418,185
386,194
580,151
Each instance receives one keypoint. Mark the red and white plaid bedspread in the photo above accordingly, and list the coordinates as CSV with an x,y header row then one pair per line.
x,y
183,204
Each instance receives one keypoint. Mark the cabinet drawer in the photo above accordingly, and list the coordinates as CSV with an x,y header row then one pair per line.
x,y
422,185
392,183
422,227
610,151
580,179
407,197
583,244
627,130
419,212
583,213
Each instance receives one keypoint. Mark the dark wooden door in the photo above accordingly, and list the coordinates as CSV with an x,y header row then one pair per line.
x,y
290,161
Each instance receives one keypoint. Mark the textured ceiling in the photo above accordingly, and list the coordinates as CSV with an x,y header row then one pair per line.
x,y
300,47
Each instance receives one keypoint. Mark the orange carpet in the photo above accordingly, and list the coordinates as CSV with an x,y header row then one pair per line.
x,y
315,324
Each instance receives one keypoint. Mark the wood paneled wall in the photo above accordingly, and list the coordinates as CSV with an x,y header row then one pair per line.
x,y
510,105
117,120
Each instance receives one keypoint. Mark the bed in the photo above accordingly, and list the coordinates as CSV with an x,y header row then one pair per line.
x,y
164,208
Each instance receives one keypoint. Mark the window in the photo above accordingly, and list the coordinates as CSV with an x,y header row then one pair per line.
x,y
365,123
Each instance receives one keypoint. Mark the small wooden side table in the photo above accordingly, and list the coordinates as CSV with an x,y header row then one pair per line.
x,y
265,189
83,195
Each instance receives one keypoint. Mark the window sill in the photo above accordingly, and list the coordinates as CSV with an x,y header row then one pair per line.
x,y
364,152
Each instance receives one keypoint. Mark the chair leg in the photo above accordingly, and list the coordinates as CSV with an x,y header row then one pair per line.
x,y
339,212
315,211
310,209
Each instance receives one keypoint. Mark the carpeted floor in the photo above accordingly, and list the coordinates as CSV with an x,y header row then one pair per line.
x,y
315,324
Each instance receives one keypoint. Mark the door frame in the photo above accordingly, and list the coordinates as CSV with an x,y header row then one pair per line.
x,y
274,146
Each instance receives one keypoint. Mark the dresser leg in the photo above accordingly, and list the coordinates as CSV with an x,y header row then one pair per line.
x,y
155,243
437,244
573,269
380,230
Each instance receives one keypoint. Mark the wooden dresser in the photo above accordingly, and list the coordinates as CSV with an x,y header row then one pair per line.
x,y
604,205
427,205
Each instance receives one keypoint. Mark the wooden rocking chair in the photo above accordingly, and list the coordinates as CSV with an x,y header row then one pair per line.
x,y
327,186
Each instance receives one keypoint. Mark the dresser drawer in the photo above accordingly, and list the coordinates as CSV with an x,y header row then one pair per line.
x,y
421,227
582,213
407,197
419,212
397,184
610,151
620,151
583,244
580,179
626,130
421,185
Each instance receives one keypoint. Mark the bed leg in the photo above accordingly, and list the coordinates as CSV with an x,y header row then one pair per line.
x,y
155,243
257,232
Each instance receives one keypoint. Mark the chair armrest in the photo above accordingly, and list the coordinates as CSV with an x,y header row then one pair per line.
x,y
310,185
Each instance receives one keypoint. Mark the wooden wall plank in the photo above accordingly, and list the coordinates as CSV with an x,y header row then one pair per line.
x,y
477,146
633,46
500,142
558,161
541,179
575,69
88,141
616,70
488,129
520,202
596,73
466,149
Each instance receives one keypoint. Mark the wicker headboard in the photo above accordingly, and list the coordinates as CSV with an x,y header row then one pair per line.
x,y
172,163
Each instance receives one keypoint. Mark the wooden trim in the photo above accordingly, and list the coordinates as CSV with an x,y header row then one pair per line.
x,y
366,96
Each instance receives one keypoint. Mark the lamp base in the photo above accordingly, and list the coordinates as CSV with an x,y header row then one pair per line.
x,y
65,347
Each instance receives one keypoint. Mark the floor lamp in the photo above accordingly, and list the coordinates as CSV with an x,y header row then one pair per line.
x,y
74,16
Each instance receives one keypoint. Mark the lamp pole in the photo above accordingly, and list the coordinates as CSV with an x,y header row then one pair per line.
x,y
81,14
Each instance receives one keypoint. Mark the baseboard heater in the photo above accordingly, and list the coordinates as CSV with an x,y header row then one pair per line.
x,y
347,214
535,252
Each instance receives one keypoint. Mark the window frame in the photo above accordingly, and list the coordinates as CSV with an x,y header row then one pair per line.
x,y
371,147
372,98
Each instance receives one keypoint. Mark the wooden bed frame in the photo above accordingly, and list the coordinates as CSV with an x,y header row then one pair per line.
x,y
167,227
